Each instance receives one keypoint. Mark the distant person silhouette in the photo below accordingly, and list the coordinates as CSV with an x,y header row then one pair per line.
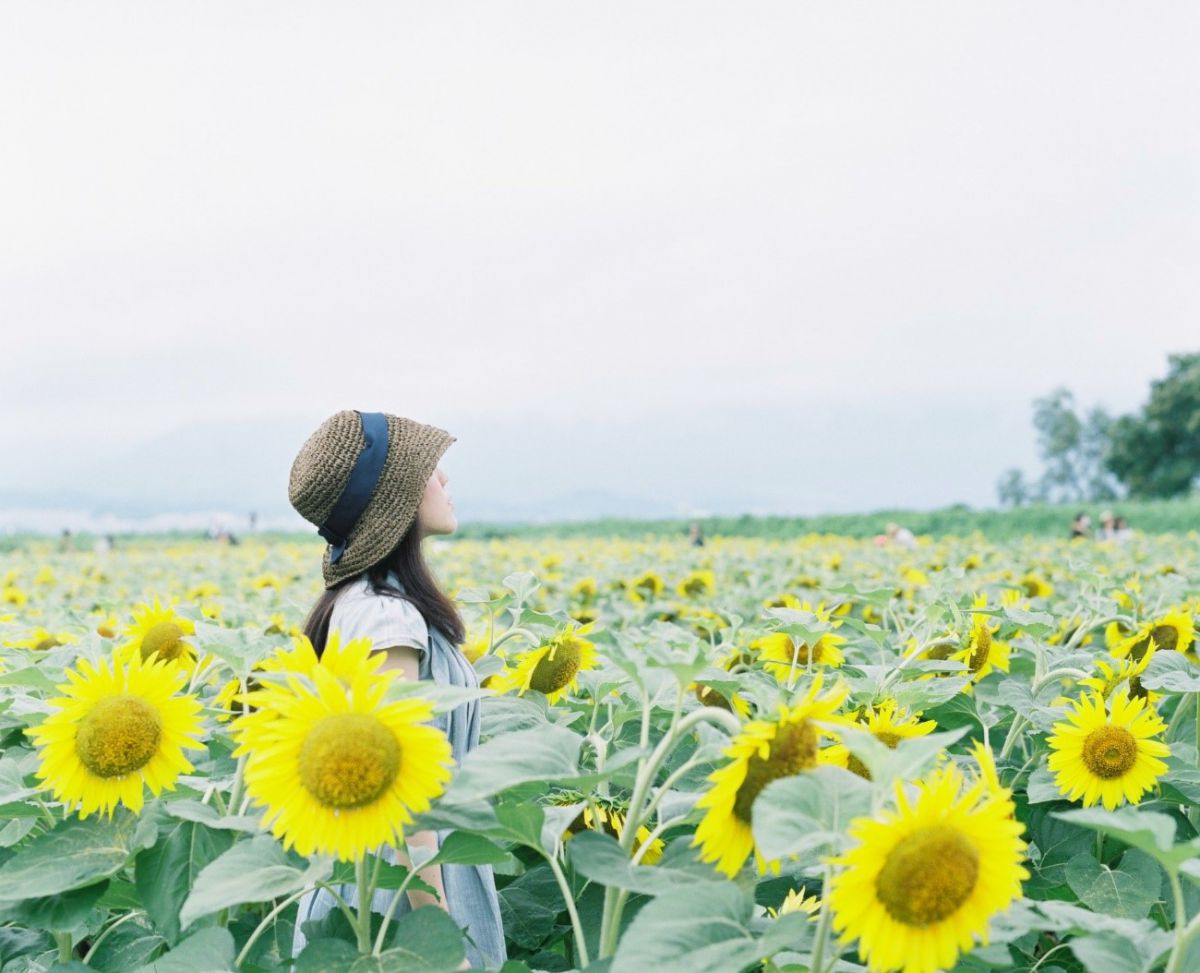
x,y
696,535
1081,526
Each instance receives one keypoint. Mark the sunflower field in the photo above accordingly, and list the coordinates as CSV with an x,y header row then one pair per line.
x,y
766,755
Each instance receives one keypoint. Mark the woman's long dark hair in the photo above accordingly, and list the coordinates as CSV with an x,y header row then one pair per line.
x,y
408,562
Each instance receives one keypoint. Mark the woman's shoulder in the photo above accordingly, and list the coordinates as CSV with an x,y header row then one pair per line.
x,y
360,612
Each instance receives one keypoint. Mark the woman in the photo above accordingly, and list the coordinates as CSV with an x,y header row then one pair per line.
x,y
372,485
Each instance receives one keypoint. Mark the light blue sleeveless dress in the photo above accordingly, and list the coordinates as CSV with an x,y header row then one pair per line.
x,y
471,897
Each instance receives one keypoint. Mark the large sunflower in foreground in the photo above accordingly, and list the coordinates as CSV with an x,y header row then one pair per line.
x,y
762,752
553,667
922,881
342,659
117,726
158,630
339,770
1107,753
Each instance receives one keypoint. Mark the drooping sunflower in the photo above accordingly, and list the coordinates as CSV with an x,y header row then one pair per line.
x,y
339,770
118,727
697,584
608,815
158,630
762,752
1174,632
553,667
645,587
41,640
1035,586
887,723
982,651
1107,752
922,881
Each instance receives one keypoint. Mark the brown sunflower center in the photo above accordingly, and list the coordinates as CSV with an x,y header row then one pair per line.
x,y
1109,751
928,876
118,736
1166,637
556,668
1138,650
794,749
165,638
348,760
49,642
981,645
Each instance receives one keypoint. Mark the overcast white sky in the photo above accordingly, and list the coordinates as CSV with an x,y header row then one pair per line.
x,y
855,239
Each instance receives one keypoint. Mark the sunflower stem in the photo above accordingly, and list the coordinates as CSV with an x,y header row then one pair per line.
x,y
262,927
818,957
1014,732
65,947
363,926
576,926
1183,936
104,935
391,908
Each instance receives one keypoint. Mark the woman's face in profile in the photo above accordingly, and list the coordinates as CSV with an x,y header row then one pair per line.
x,y
436,513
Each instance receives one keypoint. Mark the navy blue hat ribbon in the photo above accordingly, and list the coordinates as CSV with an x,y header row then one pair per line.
x,y
361,485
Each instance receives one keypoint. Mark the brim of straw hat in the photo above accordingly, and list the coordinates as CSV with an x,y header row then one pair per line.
x,y
414,450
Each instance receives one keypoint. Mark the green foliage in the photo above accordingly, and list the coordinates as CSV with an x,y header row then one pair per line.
x,y
1156,452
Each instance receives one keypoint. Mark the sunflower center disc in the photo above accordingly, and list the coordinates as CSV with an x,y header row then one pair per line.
x,y
118,736
1165,637
928,876
794,749
1109,751
555,669
49,642
1138,651
165,638
348,760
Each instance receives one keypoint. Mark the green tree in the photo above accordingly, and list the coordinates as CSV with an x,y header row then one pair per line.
x,y
1012,488
1074,448
1156,452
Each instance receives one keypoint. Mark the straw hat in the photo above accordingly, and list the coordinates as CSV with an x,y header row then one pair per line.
x,y
360,501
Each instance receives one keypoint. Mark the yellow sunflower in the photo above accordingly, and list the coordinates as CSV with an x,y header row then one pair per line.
x,y
982,652
797,901
778,650
1111,678
697,584
922,882
1033,585
888,724
1174,632
645,587
342,659
157,629
609,817
117,727
553,667
340,771
1107,753
762,752
41,640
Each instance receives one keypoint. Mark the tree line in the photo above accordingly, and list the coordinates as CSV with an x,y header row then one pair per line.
x,y
1089,455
